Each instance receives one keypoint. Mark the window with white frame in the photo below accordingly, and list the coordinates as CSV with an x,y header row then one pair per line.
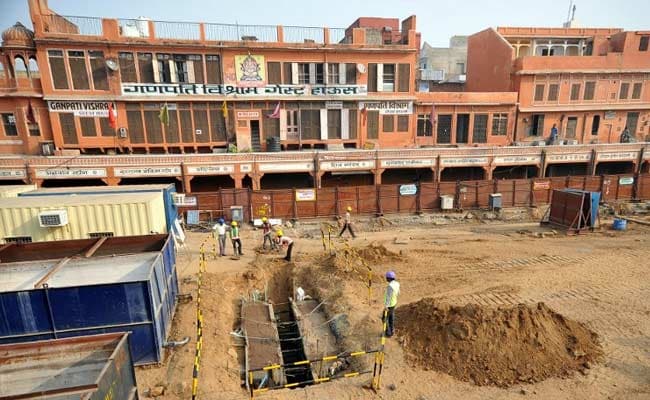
x,y
332,74
9,124
303,73
499,124
388,78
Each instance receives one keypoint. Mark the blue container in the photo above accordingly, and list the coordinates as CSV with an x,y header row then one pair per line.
x,y
133,293
619,224
171,211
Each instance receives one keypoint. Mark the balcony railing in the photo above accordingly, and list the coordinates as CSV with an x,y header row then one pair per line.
x,y
178,30
229,32
72,25
303,34
337,35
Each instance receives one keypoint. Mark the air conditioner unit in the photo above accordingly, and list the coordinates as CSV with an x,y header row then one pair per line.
x,y
123,133
446,202
47,149
571,142
53,218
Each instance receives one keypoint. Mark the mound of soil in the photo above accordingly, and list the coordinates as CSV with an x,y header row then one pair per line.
x,y
375,252
498,347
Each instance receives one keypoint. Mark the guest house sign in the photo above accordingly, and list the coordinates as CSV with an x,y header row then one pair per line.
x,y
200,89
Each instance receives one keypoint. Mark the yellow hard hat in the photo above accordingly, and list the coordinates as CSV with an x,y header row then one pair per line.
x,y
349,208
233,223
279,232
263,219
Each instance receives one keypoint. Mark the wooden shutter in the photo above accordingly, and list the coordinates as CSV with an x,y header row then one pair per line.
x,y
402,123
333,124
57,69
373,124
98,70
444,128
217,123
388,123
286,72
105,128
404,77
185,116
88,128
77,60
127,67
134,120
68,128
145,64
353,124
171,130
274,73
213,69
201,122
350,74
271,125
372,77
153,126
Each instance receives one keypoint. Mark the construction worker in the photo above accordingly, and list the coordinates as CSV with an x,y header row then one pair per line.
x,y
285,241
390,301
234,237
348,223
266,230
219,232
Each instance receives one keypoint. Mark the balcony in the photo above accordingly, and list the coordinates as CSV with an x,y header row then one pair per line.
x,y
144,29
611,62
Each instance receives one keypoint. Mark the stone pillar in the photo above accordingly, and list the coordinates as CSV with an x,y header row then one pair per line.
x,y
317,176
488,172
112,181
238,178
187,183
378,173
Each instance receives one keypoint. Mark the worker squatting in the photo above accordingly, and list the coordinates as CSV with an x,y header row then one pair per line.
x,y
277,240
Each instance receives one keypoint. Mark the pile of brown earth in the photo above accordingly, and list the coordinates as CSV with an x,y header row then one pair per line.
x,y
355,261
498,347
375,252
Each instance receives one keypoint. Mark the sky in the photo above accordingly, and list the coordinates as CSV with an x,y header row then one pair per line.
x,y
437,20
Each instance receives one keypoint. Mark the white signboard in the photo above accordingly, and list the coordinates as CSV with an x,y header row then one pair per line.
x,y
12,173
210,169
334,105
307,166
147,171
617,156
199,89
344,165
508,160
451,162
305,195
63,173
570,157
408,190
80,108
408,163
246,167
248,114
388,107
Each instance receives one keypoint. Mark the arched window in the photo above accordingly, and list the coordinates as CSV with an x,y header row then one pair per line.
x,y
20,69
33,68
2,71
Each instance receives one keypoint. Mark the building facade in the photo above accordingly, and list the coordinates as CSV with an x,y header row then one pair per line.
x,y
443,69
590,84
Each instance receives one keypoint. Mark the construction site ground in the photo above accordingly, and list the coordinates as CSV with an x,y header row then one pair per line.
x,y
600,279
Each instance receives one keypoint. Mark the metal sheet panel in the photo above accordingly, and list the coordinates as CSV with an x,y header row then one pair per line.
x,y
123,215
14,190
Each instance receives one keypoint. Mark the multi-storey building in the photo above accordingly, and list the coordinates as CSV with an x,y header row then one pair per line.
x,y
590,84
443,69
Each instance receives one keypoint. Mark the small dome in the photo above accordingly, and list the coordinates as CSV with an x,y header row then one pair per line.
x,y
18,35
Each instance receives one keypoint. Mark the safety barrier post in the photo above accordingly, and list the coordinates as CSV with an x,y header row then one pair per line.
x,y
379,356
199,323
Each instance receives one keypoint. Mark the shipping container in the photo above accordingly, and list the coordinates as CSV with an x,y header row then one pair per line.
x,y
167,191
94,367
94,288
15,190
45,219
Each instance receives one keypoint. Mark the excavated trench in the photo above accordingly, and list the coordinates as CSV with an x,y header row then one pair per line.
x,y
279,330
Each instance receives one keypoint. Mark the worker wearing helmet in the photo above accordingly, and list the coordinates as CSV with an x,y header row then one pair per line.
x,y
266,230
234,237
285,241
348,223
219,232
390,301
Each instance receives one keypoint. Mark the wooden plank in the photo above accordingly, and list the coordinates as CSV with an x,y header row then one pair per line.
x,y
96,246
52,270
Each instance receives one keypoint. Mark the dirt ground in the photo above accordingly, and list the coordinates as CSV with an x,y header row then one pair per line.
x,y
599,279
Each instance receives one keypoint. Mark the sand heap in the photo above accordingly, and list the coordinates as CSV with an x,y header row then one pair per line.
x,y
356,260
495,346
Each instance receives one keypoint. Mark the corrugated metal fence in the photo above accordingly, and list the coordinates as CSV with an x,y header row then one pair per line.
x,y
386,199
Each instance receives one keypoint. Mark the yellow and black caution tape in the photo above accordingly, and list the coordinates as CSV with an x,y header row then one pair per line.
x,y
322,359
199,323
309,382
379,356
